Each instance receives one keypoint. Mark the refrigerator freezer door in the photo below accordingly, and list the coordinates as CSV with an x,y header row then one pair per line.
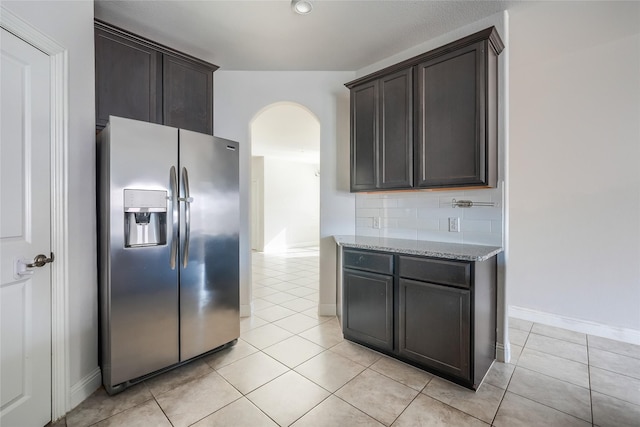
x,y
209,216
139,290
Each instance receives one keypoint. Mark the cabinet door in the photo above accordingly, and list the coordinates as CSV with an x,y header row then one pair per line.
x,y
364,137
434,326
396,130
451,142
188,95
128,79
368,308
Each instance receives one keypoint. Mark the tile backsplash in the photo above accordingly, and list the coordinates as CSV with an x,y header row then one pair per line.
x,y
424,215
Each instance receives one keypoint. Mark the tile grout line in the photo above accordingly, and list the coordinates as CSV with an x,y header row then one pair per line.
x,y
407,407
312,408
457,409
506,389
552,377
355,407
551,407
589,368
349,403
243,395
161,408
549,376
289,369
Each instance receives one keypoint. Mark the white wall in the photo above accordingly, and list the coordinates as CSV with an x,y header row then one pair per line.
x,y
239,97
257,203
291,204
70,24
574,152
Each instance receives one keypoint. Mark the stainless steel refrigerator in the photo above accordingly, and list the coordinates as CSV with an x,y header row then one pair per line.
x,y
169,224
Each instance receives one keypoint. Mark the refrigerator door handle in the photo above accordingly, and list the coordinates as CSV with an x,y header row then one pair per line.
x,y
187,199
173,258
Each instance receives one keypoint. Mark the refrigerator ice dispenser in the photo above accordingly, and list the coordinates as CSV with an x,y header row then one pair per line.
x,y
145,222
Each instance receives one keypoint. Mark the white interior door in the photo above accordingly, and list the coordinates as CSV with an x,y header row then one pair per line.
x,y
25,231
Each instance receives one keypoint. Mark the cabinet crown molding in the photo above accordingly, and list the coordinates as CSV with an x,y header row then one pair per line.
x,y
490,34
109,28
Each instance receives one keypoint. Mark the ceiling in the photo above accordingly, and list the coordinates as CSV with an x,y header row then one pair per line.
x,y
263,35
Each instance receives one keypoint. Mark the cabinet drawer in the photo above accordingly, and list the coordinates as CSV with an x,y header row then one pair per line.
x,y
369,261
443,272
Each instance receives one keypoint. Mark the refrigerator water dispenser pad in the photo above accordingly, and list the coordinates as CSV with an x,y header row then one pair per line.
x,y
145,217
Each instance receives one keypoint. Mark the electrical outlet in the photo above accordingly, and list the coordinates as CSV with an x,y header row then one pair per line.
x,y
376,222
454,225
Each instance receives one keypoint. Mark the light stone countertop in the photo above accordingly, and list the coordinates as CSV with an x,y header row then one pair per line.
x,y
459,251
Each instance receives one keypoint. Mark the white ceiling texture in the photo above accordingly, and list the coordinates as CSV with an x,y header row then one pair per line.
x,y
266,35
338,35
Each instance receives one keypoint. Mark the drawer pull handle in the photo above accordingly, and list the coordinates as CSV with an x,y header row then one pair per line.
x,y
360,259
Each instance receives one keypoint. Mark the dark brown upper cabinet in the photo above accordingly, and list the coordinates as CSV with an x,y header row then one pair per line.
x,y
396,130
457,133
364,136
382,133
187,95
128,79
139,79
430,121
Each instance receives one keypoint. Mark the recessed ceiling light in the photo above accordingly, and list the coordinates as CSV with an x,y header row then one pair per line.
x,y
301,7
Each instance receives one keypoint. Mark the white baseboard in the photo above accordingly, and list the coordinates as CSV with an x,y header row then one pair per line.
x,y
246,310
313,243
503,352
327,309
85,387
631,336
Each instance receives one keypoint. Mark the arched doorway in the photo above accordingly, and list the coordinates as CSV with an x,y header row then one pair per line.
x,y
285,178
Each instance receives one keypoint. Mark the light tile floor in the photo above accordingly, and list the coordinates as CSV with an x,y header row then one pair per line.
x,y
292,367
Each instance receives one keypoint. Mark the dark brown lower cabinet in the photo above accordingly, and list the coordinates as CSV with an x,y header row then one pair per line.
x,y
437,314
434,326
368,308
